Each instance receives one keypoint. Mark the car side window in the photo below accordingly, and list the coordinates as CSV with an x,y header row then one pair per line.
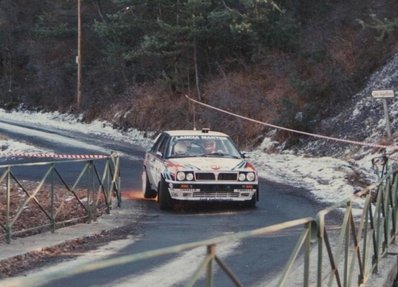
x,y
157,143
163,144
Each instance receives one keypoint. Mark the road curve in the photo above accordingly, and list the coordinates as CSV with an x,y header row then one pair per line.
x,y
252,260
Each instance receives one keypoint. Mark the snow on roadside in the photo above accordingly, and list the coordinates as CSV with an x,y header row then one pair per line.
x,y
74,123
327,178
324,177
10,145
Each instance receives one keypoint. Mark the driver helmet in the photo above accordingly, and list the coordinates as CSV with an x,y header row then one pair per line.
x,y
180,148
210,145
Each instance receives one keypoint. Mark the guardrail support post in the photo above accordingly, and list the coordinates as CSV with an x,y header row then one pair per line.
x,y
211,251
107,186
320,225
347,247
89,210
93,193
52,200
116,178
7,225
307,251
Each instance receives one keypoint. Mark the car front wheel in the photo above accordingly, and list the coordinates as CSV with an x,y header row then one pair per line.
x,y
165,200
252,202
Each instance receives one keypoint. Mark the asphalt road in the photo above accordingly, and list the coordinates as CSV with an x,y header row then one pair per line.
x,y
253,261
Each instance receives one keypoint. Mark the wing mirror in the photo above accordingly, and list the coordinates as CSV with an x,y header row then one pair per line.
x,y
245,154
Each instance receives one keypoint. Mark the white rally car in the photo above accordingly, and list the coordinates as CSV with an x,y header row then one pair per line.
x,y
191,165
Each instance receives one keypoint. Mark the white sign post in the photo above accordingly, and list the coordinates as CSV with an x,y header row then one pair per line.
x,y
385,94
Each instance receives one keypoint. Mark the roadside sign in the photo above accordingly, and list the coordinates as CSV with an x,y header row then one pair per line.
x,y
383,94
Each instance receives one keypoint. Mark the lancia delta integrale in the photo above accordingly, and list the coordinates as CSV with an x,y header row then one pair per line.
x,y
191,165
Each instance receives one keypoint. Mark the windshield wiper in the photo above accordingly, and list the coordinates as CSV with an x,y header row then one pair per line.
x,y
212,154
215,154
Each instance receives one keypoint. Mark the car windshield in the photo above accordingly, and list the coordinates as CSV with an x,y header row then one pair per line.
x,y
202,145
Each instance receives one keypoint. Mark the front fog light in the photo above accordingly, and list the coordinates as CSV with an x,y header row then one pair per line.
x,y
242,177
180,175
250,176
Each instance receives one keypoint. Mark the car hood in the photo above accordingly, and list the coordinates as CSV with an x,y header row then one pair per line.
x,y
209,163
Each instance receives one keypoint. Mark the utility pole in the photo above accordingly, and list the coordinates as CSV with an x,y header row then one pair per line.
x,y
79,53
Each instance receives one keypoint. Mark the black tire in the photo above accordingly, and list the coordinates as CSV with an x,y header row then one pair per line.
x,y
146,187
165,200
252,202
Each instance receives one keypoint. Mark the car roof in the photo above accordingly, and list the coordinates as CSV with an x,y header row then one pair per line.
x,y
194,133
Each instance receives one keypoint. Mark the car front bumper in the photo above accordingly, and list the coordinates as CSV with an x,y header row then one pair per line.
x,y
226,191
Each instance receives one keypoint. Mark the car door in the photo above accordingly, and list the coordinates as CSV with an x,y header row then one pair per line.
x,y
159,159
150,160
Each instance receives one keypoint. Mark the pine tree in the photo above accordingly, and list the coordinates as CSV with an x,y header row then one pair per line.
x,y
182,41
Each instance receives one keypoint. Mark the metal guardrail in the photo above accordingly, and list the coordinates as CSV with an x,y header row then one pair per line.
x,y
90,189
362,242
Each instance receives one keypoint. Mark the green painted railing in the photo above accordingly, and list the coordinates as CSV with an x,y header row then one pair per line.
x,y
329,252
88,188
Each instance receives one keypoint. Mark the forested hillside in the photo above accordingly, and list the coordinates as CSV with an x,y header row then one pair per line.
x,y
287,62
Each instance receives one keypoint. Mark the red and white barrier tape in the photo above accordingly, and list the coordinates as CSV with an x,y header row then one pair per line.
x,y
53,155
295,131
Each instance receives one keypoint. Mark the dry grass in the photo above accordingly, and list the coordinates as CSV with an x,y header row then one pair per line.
x,y
3,137
28,214
343,50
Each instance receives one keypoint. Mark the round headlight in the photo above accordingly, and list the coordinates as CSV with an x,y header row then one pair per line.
x,y
180,175
242,177
189,176
250,176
